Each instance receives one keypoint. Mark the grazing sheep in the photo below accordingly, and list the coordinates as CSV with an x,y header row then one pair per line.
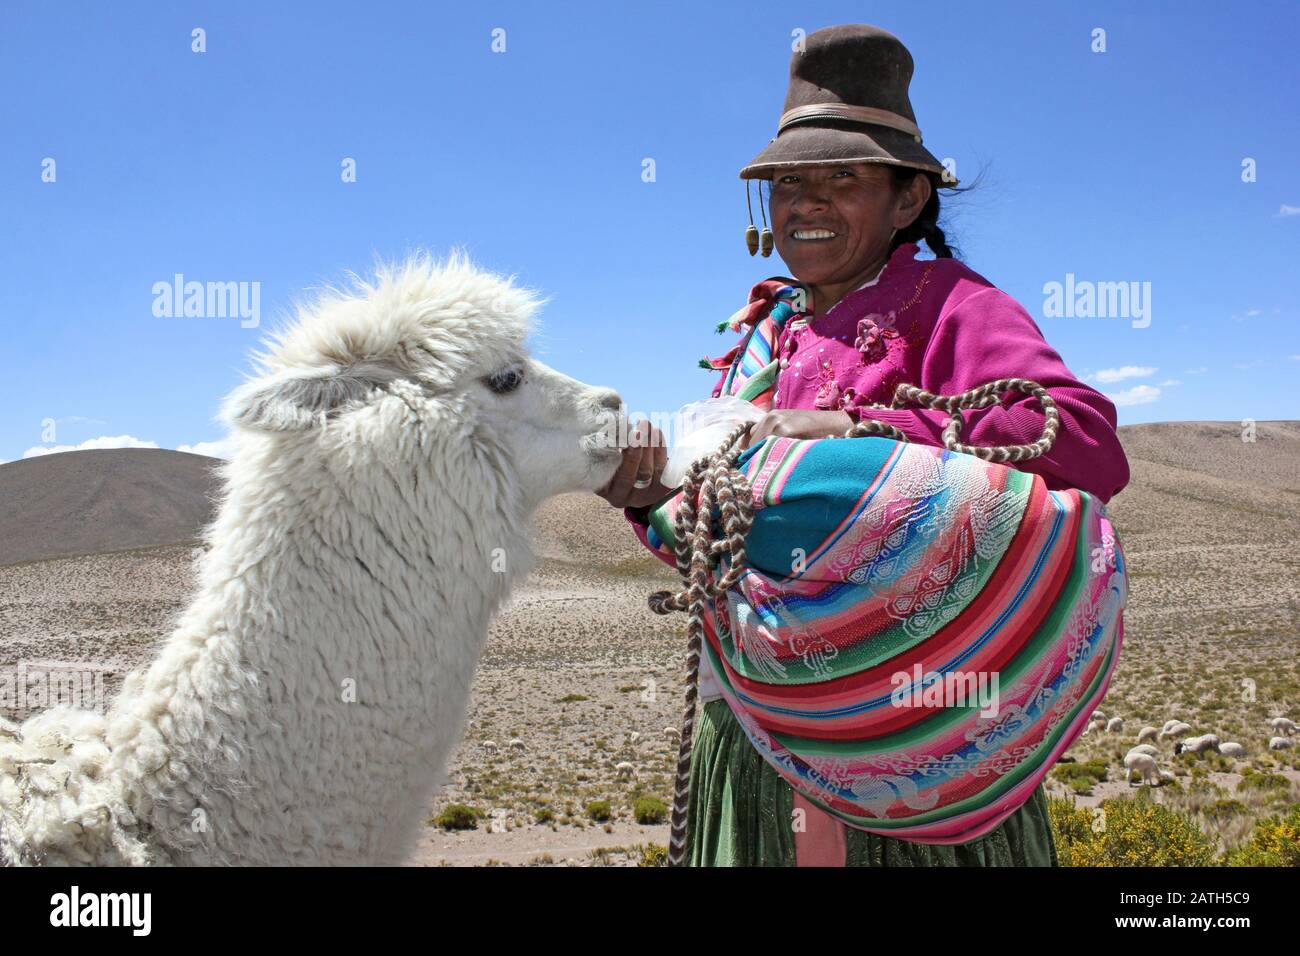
x,y
1280,743
1098,715
389,453
625,769
635,737
1115,725
672,733
1143,764
1197,745
1176,728
517,744
1283,726
490,746
1232,750
1151,750
1147,734
1094,726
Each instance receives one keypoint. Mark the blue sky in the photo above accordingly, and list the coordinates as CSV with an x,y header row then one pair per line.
x,y
225,166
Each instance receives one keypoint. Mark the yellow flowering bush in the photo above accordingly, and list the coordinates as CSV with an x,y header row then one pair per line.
x,y
1275,842
1136,832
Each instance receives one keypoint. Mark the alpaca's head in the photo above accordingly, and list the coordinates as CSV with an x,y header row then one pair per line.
x,y
422,372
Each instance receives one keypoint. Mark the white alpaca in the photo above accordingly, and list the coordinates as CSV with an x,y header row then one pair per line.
x,y
1176,728
1148,734
1142,764
388,456
1282,726
1197,745
1151,750
1115,725
1233,750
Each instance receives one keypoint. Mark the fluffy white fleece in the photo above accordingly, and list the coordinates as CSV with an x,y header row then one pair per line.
x,y
375,513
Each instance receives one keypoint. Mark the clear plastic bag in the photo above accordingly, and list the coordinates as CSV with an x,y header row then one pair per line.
x,y
700,427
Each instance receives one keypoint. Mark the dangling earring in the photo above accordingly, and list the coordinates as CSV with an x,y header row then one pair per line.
x,y
766,238
751,233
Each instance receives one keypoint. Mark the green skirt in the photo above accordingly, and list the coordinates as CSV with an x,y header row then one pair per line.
x,y
740,814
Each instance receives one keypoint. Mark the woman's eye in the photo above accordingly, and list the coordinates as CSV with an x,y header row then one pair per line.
x,y
507,380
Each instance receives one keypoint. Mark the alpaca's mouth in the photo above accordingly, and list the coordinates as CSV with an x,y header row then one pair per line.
x,y
602,445
603,439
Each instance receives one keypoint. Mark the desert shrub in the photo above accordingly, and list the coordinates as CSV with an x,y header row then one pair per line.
x,y
1137,832
1270,784
653,855
543,815
1070,824
1225,809
649,810
573,698
458,817
1275,842
1080,777
599,810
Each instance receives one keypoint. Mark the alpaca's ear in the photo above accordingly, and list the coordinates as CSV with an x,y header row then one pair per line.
x,y
298,400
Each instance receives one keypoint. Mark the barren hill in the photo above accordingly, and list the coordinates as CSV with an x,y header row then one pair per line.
x,y
90,502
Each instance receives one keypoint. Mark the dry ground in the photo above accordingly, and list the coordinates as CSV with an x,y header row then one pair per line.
x,y
576,665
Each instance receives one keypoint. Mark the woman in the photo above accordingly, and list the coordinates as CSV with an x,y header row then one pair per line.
x,y
852,193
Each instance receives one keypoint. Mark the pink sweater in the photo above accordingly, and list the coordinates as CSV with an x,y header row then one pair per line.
x,y
945,328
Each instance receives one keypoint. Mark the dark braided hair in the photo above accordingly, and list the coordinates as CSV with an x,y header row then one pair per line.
x,y
926,226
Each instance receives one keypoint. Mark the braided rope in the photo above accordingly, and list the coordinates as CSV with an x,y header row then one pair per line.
x,y
715,481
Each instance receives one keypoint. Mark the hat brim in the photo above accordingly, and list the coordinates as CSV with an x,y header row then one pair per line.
x,y
828,142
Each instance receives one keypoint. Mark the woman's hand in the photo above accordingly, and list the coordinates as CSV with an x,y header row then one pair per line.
x,y
799,423
643,462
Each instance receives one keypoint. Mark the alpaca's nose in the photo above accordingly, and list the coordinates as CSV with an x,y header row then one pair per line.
x,y
608,398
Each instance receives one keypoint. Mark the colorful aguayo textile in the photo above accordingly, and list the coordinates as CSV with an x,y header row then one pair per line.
x,y
920,634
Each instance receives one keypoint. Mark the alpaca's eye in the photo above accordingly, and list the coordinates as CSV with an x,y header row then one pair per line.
x,y
507,380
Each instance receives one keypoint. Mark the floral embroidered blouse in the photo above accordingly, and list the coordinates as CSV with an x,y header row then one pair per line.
x,y
939,325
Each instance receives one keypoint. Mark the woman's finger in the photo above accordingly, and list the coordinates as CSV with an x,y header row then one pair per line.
x,y
645,473
621,484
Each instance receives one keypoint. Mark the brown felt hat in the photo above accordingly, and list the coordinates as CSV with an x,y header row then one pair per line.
x,y
847,103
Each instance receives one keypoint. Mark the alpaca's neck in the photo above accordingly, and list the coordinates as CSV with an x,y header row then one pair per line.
x,y
312,692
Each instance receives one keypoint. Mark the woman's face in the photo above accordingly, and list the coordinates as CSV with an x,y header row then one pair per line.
x,y
856,203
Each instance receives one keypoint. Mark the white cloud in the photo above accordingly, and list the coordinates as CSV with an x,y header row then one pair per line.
x,y
1294,358
1107,376
213,449
106,441
1289,210
1196,371
1137,395
1167,383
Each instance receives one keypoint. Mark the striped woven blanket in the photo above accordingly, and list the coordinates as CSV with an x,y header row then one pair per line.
x,y
919,635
